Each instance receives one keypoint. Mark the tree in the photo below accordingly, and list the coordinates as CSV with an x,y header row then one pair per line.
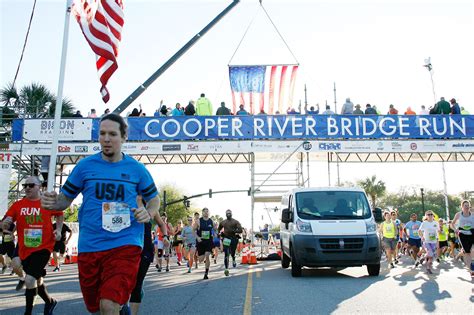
x,y
176,211
408,201
375,189
217,218
35,100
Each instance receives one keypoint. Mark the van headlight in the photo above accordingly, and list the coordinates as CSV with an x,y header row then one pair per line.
x,y
370,227
303,226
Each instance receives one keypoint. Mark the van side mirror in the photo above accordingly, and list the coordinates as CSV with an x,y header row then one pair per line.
x,y
378,215
286,216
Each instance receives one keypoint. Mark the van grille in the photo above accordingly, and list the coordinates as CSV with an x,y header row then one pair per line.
x,y
338,245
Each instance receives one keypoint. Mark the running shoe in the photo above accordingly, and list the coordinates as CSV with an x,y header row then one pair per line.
x,y
179,263
49,307
125,310
56,269
205,276
20,285
234,264
215,261
392,265
396,261
437,259
226,272
189,270
429,271
167,269
417,262
159,269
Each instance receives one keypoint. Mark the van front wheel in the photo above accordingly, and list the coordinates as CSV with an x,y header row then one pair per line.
x,y
373,270
285,260
295,268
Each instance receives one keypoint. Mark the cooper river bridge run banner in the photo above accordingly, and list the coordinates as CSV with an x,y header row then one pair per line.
x,y
266,127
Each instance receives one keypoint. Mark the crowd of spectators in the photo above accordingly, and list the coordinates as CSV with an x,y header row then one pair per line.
x,y
203,107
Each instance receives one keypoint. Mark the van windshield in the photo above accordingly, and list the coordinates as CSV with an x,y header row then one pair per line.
x,y
328,205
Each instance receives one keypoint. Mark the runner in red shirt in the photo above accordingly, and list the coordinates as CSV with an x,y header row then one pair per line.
x,y
36,241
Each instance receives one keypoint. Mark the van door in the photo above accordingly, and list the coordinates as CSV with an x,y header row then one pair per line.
x,y
285,227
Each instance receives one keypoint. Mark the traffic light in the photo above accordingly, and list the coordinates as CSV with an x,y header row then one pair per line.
x,y
187,203
210,193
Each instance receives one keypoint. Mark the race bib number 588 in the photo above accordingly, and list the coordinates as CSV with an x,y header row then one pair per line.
x,y
115,216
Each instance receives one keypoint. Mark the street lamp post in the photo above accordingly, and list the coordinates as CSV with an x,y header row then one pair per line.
x,y
422,199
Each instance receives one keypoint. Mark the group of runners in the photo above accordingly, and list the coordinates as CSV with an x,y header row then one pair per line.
x,y
430,239
116,243
196,240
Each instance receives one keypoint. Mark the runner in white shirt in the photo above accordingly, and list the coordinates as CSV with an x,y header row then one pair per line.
x,y
429,236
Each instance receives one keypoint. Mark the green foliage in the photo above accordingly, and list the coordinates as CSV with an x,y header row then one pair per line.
x,y
408,201
177,211
35,99
217,218
71,214
373,188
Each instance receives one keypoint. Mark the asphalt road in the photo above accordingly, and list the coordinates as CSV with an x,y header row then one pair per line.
x,y
265,288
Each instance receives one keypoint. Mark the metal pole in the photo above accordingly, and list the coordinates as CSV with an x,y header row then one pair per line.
x,y
252,192
164,201
445,192
422,200
59,101
335,101
307,167
329,169
305,96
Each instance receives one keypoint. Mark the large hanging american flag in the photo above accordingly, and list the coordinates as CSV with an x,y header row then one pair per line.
x,y
251,88
101,23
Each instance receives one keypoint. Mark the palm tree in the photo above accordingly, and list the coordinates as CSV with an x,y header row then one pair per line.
x,y
10,100
34,100
373,187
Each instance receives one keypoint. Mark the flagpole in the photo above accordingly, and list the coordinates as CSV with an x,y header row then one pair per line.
x,y
59,101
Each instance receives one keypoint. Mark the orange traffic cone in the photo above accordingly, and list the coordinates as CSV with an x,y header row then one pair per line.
x,y
253,258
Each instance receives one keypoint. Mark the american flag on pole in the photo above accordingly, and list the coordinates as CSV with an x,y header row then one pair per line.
x,y
263,88
101,23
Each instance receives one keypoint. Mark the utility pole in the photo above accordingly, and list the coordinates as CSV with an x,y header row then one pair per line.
x,y
305,96
422,199
335,100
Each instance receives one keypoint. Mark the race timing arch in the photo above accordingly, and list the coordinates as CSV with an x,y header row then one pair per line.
x,y
249,139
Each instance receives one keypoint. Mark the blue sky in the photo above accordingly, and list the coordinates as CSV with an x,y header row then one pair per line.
x,y
373,50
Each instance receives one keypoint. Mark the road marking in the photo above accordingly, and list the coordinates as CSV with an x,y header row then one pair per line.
x,y
248,294
259,274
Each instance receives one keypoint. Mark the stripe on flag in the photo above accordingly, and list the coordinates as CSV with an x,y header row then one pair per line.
x,y
264,88
101,22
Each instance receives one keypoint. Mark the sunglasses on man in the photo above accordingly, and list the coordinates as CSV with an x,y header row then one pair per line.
x,y
29,185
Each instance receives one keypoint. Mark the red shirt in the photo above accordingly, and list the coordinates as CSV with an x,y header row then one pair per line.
x,y
33,224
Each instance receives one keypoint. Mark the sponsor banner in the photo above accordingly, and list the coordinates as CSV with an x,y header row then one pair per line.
x,y
73,129
6,158
260,127
205,147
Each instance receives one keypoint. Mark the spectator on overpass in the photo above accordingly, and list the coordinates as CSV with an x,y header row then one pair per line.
x,y
136,112
409,111
312,110
442,107
328,111
190,110
455,110
348,107
392,110
92,114
223,110
203,106
77,114
357,110
241,110
369,110
424,111
177,111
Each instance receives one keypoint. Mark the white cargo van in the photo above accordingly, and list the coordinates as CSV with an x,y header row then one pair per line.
x,y
328,227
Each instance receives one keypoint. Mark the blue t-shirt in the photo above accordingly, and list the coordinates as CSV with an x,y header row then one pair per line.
x,y
101,182
412,228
